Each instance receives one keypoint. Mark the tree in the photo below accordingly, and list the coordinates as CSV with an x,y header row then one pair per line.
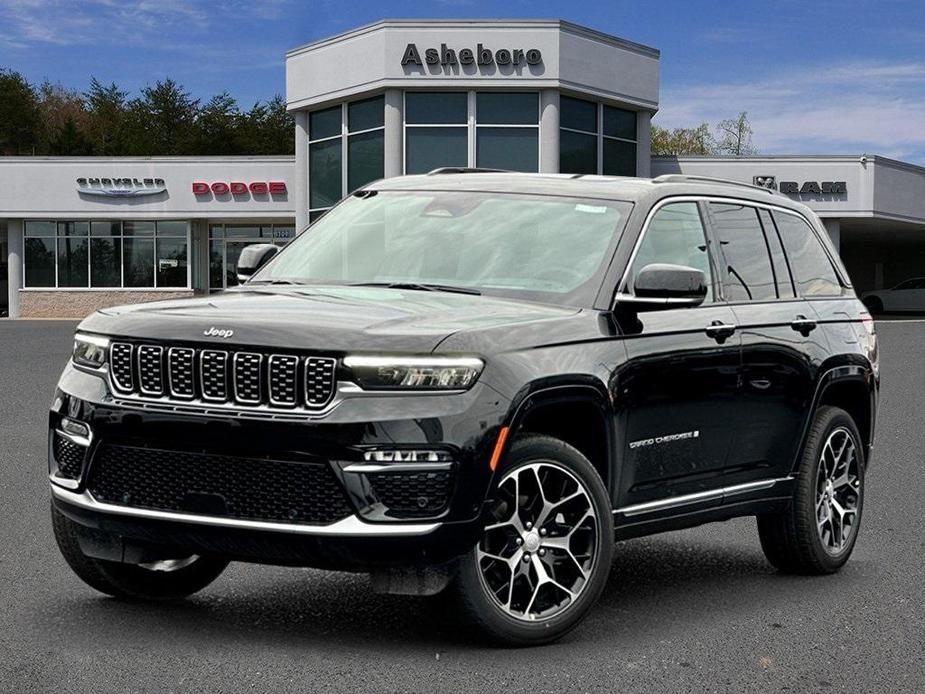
x,y
218,124
163,120
269,128
59,107
18,114
70,141
106,119
735,136
683,141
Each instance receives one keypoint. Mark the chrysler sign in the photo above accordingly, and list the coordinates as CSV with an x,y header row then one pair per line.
x,y
118,187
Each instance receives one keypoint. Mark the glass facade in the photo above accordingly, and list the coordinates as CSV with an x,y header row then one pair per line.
x,y
595,138
106,254
346,150
226,241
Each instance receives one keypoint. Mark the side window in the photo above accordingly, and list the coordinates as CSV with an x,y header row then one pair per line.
x,y
675,235
778,257
747,272
812,270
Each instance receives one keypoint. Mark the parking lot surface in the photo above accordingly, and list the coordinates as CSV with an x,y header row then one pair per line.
x,y
698,610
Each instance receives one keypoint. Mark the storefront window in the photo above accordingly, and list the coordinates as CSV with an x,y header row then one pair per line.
x,y
507,131
346,151
436,130
110,254
226,241
587,128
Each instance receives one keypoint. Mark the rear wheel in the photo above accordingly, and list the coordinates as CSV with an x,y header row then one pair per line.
x,y
545,555
167,579
817,532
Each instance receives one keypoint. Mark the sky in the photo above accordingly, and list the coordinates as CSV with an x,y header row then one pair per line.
x,y
815,76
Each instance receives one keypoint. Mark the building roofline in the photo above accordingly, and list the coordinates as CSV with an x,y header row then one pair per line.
x,y
560,24
762,158
287,158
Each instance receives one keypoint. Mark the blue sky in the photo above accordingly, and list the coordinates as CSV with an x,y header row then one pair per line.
x,y
818,76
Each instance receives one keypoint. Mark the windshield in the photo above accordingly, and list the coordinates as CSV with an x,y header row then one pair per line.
x,y
527,246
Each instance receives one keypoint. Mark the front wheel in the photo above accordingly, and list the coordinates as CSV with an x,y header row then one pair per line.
x,y
168,579
817,532
546,551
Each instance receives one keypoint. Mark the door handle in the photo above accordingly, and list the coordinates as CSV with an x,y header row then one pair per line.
x,y
803,325
719,331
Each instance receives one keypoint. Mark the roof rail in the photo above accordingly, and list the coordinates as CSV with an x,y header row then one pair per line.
x,y
686,178
463,170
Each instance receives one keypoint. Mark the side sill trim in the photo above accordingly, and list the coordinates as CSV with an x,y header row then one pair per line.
x,y
697,497
351,526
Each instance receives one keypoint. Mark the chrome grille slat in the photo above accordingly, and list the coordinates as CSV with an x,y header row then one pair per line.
x,y
191,377
180,372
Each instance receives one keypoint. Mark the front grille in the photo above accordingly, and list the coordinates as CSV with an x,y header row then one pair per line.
x,y
69,457
243,378
217,485
413,494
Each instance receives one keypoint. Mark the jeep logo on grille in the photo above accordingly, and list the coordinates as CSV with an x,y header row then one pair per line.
x,y
224,333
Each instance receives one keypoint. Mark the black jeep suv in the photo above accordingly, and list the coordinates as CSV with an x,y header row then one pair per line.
x,y
478,382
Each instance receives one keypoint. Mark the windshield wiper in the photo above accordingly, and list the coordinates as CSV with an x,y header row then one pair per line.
x,y
420,287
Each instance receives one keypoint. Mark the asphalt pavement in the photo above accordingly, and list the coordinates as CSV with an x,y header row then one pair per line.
x,y
693,611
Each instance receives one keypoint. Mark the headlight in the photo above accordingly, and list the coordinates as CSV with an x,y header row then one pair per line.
x,y
90,350
414,373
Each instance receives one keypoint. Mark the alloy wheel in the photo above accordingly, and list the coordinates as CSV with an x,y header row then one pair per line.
x,y
838,491
537,555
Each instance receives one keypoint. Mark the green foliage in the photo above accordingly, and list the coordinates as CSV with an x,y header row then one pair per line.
x,y
733,137
163,119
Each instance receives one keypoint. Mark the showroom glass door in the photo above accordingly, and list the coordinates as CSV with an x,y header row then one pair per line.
x,y
4,273
226,241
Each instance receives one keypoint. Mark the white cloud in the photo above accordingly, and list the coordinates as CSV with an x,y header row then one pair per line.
x,y
862,107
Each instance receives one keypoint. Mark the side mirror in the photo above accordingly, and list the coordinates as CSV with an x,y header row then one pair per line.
x,y
663,286
253,258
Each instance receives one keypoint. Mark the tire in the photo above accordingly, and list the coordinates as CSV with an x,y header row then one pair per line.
x,y
796,540
498,586
874,304
170,580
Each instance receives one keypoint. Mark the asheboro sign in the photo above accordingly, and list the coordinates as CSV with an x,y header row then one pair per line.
x,y
480,55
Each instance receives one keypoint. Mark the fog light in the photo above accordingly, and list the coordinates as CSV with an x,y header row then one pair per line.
x,y
75,428
406,456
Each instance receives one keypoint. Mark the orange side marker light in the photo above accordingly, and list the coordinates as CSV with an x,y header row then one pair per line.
x,y
499,446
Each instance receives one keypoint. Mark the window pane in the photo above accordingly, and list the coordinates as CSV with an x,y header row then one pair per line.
x,y
105,228
40,262
216,264
72,262
171,262
324,162
619,123
516,149
365,159
577,153
366,114
246,231
171,229
315,216
675,236
577,114
280,232
812,269
427,149
105,262
324,123
217,231
748,275
619,158
73,228
778,258
507,109
138,228
436,107
138,262
40,229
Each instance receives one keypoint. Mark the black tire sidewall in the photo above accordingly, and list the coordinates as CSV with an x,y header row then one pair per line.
x,y
504,628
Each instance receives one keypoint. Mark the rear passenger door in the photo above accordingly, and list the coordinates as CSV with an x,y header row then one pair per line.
x,y
780,347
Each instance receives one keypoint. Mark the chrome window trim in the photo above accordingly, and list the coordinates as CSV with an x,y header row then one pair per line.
x,y
141,387
234,377
170,388
212,398
131,355
351,526
708,495
272,400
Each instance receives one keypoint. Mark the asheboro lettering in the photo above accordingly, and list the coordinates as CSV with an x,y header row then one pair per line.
x,y
466,56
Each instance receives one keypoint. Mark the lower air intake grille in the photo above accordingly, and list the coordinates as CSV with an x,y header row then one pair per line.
x,y
218,485
68,456
413,494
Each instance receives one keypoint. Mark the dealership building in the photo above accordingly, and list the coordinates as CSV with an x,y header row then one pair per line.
x,y
391,98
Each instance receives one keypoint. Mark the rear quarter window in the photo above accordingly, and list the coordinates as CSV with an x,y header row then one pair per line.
x,y
812,269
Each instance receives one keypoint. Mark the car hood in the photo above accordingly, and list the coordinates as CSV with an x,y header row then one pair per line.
x,y
327,319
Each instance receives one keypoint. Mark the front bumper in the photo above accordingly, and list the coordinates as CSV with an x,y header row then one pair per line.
x,y
370,534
